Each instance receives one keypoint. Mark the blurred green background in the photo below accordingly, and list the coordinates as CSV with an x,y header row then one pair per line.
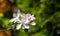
x,y
47,13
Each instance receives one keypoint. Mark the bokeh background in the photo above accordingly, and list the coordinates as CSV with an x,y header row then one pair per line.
x,y
47,13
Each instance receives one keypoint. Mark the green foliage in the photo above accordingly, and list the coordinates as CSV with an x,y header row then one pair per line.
x,y
47,13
